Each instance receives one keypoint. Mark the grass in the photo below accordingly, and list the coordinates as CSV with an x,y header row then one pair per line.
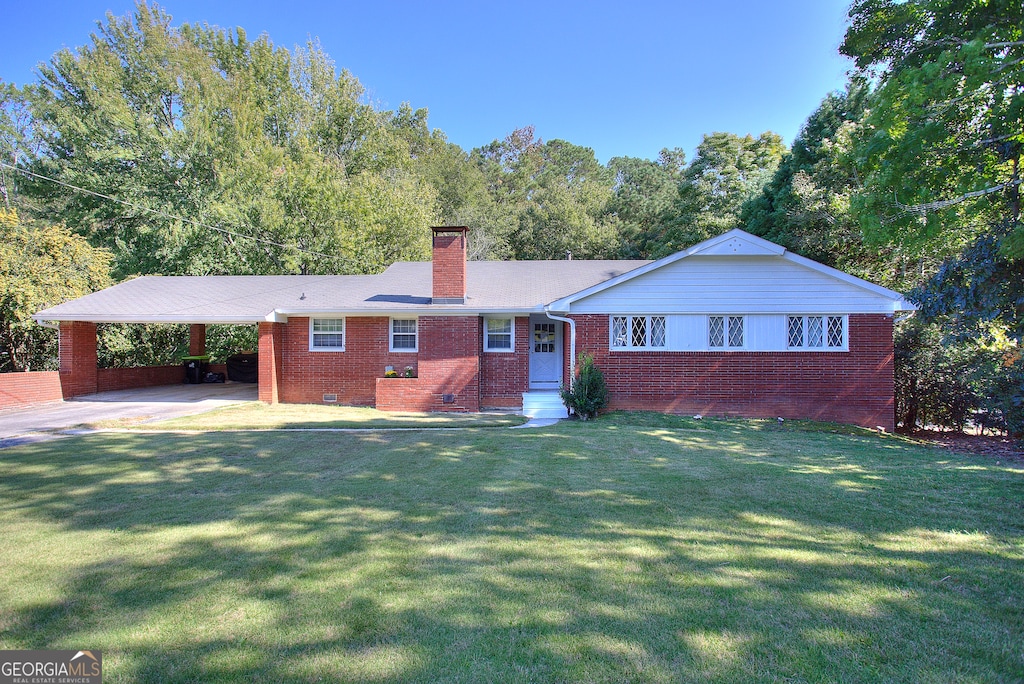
x,y
635,548
259,416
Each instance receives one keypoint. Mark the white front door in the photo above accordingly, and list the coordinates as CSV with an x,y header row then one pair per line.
x,y
545,353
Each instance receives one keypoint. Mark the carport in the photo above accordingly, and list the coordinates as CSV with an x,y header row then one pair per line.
x,y
197,301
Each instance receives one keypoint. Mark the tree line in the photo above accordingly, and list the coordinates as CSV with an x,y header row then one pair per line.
x,y
190,149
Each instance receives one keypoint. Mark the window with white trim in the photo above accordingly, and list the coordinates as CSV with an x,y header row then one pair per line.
x,y
638,332
499,334
725,332
816,332
327,334
403,334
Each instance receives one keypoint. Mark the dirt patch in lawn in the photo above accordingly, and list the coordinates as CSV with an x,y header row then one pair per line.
x,y
998,447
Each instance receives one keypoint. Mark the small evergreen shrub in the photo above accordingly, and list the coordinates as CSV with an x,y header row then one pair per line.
x,y
588,392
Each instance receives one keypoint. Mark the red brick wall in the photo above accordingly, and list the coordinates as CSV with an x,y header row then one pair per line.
x,y
449,362
403,394
271,366
110,379
847,387
352,374
449,265
26,389
504,376
77,358
196,339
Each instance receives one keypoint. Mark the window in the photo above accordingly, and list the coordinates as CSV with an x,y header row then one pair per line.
x,y
544,337
403,334
816,332
725,332
638,332
327,334
498,334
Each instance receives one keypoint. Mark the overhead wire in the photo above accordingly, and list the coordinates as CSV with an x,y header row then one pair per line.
x,y
159,212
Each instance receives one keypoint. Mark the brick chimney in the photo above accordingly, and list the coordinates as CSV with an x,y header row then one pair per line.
x,y
449,265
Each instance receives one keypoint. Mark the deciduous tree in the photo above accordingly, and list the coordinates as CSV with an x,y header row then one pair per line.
x,y
40,266
727,170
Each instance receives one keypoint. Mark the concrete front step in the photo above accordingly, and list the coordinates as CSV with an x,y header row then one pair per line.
x,y
543,404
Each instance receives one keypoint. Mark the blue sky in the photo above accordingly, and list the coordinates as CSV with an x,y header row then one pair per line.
x,y
621,77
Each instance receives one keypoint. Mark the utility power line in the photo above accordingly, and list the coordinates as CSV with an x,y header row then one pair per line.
x,y
158,212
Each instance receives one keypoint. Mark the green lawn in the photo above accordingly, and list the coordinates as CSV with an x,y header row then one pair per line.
x,y
635,548
259,416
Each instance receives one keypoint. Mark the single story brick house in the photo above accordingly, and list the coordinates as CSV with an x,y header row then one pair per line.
x,y
735,325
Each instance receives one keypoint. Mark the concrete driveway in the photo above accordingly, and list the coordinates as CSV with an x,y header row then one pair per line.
x,y
18,426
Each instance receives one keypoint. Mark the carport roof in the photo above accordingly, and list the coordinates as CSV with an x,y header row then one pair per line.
x,y
405,287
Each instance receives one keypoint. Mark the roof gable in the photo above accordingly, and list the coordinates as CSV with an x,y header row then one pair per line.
x,y
733,250
734,243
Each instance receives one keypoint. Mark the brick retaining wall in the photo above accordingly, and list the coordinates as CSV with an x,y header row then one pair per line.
x,y
25,389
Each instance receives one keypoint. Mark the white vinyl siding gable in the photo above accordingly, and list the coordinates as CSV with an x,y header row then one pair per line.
x,y
327,334
722,285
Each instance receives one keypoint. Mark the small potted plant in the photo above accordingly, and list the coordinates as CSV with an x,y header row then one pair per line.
x,y
390,372
410,372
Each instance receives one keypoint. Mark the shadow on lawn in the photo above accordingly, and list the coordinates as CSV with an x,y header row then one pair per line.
x,y
568,555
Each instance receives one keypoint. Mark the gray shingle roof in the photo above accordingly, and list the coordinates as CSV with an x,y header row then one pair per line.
x,y
405,287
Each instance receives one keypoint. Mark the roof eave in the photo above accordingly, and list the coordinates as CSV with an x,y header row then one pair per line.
x,y
141,320
430,310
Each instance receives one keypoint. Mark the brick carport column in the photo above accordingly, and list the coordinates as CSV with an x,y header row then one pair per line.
x,y
197,339
78,361
270,361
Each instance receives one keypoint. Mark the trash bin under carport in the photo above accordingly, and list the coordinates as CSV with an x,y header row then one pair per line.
x,y
244,368
195,368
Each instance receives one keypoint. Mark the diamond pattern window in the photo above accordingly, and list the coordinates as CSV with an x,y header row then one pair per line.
x,y
619,326
735,331
796,331
835,331
716,331
638,332
816,332
725,332
639,335
658,331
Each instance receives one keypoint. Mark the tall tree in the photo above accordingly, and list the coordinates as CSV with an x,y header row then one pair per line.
x,y
40,266
17,140
554,197
939,154
806,205
643,191
941,148
726,171
567,214
207,152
